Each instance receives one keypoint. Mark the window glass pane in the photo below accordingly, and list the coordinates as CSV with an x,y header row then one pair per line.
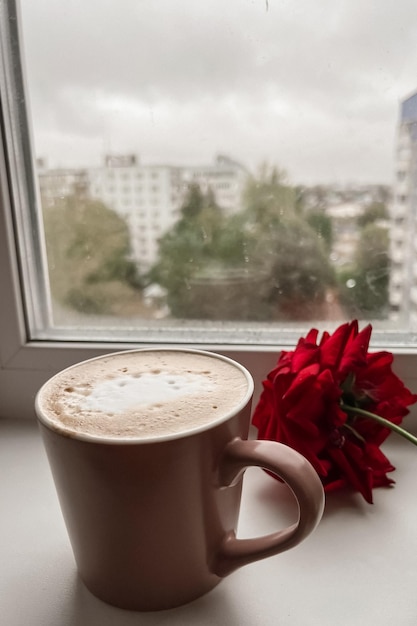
x,y
237,167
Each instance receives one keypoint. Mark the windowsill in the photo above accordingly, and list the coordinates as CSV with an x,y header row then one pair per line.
x,y
359,567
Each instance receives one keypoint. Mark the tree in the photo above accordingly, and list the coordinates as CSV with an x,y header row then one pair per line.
x,y
88,250
288,250
203,246
298,269
373,212
322,226
318,197
269,198
367,283
263,263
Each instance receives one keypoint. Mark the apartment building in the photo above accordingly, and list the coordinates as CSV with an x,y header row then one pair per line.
x,y
344,218
148,197
403,280
60,182
226,178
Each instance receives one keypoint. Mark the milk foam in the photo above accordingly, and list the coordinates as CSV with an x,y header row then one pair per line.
x,y
143,394
124,392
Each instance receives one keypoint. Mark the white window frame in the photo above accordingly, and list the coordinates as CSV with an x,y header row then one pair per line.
x,y
25,364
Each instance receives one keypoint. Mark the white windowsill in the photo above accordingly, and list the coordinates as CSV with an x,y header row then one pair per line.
x,y
359,566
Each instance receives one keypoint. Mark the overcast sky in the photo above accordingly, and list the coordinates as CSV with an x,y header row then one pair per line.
x,y
312,86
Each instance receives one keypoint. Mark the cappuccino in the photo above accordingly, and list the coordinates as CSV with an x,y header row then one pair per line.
x,y
144,394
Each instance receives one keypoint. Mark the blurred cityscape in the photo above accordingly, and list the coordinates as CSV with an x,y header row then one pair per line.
x,y
224,232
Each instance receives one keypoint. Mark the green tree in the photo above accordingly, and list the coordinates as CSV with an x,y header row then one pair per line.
x,y
269,198
265,262
318,197
365,291
291,253
204,244
322,226
299,273
373,212
88,251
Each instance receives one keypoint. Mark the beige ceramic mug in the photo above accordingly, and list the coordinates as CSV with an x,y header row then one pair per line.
x,y
152,517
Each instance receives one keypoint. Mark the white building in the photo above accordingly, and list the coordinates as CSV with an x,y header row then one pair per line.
x,y
344,218
226,178
148,197
60,182
403,281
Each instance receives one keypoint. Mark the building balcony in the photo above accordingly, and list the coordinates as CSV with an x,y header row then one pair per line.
x,y
397,255
413,296
395,298
399,210
398,233
397,277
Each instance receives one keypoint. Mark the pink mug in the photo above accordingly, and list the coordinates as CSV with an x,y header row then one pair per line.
x,y
152,522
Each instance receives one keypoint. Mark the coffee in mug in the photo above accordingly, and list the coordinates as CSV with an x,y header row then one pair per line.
x,y
147,449
144,394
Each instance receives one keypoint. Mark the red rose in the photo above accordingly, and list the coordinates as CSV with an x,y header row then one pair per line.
x,y
309,401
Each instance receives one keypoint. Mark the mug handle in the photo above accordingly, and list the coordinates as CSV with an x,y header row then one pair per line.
x,y
297,473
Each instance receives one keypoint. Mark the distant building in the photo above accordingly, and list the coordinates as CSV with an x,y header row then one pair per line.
x,y
225,178
60,182
148,197
403,240
345,231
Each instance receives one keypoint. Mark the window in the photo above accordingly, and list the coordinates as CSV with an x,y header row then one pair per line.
x,y
242,112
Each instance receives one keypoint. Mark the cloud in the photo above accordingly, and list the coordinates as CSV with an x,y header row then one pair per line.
x,y
313,87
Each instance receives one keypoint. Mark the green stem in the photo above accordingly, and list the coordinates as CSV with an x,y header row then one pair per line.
x,y
381,420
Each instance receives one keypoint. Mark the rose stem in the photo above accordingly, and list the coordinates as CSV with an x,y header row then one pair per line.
x,y
381,420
